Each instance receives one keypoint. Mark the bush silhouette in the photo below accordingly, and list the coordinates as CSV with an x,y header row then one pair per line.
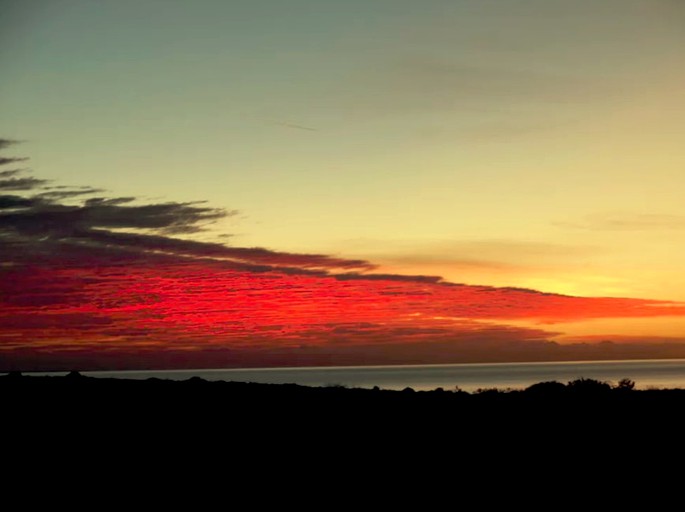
x,y
546,388
625,385
589,386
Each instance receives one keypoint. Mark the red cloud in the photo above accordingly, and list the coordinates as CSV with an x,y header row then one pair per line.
x,y
207,305
99,282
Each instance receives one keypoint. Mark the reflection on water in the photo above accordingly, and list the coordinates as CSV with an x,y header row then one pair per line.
x,y
469,377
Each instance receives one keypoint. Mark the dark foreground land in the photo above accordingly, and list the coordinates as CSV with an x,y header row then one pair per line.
x,y
77,397
285,443
106,416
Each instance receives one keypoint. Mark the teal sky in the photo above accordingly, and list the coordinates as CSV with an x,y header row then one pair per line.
x,y
532,143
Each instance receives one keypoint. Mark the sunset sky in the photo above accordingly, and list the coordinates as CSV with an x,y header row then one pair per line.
x,y
302,182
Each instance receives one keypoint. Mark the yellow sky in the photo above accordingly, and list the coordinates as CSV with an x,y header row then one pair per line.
x,y
534,143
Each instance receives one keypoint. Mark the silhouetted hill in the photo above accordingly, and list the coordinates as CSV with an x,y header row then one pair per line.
x,y
235,417
87,396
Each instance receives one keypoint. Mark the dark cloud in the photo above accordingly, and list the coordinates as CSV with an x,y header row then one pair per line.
x,y
66,194
44,214
509,346
56,224
267,259
99,201
11,160
51,218
13,172
7,142
15,202
21,183
390,277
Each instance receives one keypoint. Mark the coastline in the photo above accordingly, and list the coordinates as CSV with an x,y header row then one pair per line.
x,y
469,377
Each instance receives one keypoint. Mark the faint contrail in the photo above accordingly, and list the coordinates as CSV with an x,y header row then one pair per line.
x,y
296,126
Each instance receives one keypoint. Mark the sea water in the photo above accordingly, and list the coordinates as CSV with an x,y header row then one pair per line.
x,y
468,377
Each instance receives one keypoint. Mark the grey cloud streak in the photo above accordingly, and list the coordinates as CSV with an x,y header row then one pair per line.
x,y
11,160
6,143
15,184
110,228
7,174
56,225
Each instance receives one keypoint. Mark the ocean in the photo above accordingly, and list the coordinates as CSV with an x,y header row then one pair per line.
x,y
468,377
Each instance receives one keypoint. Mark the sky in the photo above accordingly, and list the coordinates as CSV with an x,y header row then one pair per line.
x,y
284,183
